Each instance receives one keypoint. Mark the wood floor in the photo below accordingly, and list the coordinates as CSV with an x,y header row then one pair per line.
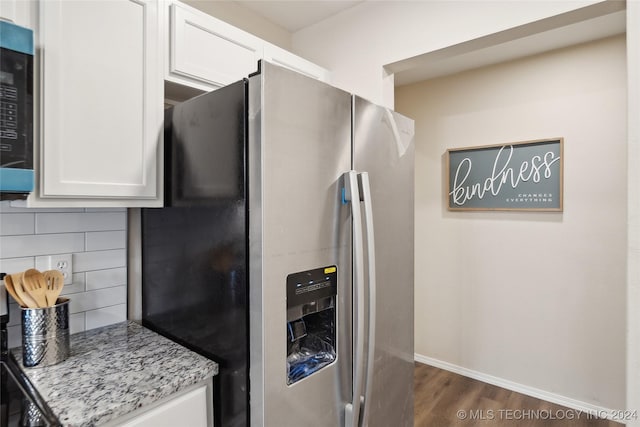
x,y
445,399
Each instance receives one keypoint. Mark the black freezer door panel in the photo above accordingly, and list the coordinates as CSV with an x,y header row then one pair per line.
x,y
205,149
194,251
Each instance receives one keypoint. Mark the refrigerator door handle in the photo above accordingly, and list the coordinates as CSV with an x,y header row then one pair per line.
x,y
352,194
365,192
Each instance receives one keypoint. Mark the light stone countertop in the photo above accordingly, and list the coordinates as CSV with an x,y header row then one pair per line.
x,y
113,371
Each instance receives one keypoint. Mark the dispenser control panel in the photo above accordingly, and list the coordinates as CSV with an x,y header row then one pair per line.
x,y
309,286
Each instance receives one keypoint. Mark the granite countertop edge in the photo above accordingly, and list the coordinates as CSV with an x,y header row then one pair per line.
x,y
113,371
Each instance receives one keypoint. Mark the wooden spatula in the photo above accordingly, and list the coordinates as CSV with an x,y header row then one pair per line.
x,y
21,292
36,286
8,284
55,282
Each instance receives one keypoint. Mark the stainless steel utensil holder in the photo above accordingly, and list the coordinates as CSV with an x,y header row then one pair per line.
x,y
45,334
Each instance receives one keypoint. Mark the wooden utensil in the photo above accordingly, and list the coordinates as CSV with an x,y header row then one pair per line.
x,y
36,286
8,284
21,292
55,282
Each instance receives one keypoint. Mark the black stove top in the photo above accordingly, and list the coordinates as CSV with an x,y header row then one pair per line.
x,y
20,405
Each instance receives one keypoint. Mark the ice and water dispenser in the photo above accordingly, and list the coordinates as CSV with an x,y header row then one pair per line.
x,y
311,321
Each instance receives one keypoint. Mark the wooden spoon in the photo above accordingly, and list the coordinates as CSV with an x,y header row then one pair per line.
x,y
21,292
36,286
55,282
8,284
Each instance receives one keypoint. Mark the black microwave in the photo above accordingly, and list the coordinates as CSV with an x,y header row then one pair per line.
x,y
16,111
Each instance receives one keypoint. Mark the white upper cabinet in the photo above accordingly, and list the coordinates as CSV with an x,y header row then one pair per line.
x,y
284,58
206,53
205,50
19,12
101,103
101,72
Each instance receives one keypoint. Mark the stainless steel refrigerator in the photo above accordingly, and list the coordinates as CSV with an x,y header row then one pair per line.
x,y
285,251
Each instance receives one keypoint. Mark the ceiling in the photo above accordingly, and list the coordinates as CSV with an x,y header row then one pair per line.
x,y
582,25
297,14
585,24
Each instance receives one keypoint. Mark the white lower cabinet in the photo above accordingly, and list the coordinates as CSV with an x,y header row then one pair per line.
x,y
192,408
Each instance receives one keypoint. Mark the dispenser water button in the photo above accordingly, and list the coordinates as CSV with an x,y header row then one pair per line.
x,y
297,330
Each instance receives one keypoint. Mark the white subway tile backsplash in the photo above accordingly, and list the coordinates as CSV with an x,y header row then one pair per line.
x,y
105,209
78,284
101,240
5,207
92,300
97,240
77,323
14,224
106,316
15,265
42,262
99,260
86,221
36,244
106,278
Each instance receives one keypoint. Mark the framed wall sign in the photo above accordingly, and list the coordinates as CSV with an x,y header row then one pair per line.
x,y
525,176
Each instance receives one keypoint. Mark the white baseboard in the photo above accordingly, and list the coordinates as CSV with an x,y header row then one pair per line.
x,y
558,399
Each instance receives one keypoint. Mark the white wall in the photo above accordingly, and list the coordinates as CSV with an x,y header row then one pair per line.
x,y
633,216
355,44
536,299
97,239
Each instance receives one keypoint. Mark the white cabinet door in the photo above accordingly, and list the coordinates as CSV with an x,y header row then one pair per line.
x,y
208,51
189,409
284,58
100,100
19,12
